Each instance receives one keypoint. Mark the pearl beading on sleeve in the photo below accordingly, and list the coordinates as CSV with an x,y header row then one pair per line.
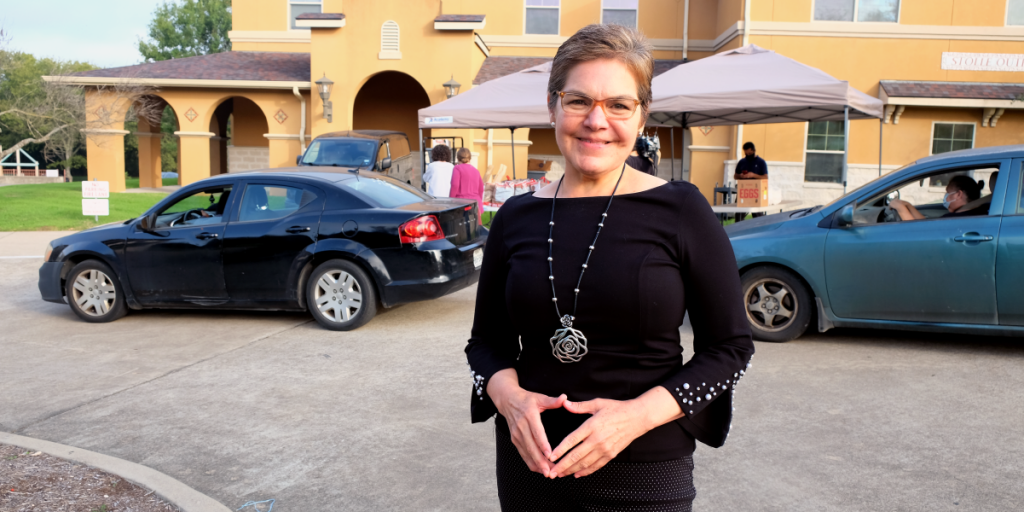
x,y
478,384
712,392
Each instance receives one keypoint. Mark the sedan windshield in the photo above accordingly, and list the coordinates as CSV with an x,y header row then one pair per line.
x,y
341,153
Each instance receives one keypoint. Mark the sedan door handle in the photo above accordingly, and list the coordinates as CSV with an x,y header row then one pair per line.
x,y
206,236
298,229
973,237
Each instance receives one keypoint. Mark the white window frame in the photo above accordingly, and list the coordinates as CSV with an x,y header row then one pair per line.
x,y
291,18
559,8
931,137
856,12
637,10
931,146
807,133
1006,16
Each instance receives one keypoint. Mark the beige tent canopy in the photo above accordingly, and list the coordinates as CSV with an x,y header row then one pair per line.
x,y
752,85
749,85
512,101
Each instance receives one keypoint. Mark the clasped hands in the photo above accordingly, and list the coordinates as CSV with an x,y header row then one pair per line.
x,y
614,424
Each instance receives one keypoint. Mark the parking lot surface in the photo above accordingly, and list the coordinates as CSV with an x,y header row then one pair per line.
x,y
256,406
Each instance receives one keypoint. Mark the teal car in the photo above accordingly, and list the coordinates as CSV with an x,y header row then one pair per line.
x,y
854,263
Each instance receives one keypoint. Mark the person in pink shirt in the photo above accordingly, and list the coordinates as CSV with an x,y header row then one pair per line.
x,y
466,181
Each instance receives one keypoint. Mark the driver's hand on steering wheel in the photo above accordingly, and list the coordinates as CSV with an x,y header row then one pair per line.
x,y
205,213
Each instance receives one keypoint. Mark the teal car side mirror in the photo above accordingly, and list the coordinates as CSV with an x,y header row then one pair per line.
x,y
846,216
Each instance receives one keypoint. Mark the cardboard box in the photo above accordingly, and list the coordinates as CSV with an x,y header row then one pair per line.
x,y
536,164
752,193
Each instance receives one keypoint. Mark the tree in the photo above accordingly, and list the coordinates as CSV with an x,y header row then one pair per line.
x,y
187,29
32,111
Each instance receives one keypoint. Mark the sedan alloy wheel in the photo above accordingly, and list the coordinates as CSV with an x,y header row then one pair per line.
x,y
778,303
771,305
94,292
338,296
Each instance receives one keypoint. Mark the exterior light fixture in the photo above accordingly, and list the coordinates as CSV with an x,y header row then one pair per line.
x,y
324,86
451,87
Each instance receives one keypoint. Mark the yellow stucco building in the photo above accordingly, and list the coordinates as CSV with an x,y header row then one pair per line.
x,y
950,72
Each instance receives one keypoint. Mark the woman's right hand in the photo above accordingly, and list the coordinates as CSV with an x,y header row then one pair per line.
x,y
521,409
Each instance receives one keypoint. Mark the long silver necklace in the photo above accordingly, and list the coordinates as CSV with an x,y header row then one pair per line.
x,y
569,345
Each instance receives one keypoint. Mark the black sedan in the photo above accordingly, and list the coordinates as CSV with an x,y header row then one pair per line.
x,y
338,243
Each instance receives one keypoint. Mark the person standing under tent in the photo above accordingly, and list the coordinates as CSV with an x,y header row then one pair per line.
x,y
751,167
438,175
466,181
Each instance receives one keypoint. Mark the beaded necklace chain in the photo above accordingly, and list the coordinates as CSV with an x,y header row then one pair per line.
x,y
569,345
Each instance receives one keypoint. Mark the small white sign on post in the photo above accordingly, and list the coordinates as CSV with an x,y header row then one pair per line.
x,y
52,173
96,207
94,198
95,189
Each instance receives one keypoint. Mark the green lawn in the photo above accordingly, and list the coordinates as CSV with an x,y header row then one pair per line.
x,y
58,206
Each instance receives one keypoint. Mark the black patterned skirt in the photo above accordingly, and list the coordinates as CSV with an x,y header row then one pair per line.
x,y
665,486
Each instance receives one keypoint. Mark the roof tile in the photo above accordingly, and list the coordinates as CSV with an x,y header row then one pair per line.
x,y
957,90
468,18
266,66
497,67
321,16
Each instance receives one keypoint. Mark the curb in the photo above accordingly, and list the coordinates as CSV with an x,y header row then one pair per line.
x,y
175,492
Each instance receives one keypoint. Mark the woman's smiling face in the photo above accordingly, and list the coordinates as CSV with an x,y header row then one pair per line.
x,y
593,144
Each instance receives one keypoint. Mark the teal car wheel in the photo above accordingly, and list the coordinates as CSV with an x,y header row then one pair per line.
x,y
778,304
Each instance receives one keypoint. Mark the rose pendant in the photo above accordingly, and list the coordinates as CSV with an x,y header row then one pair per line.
x,y
568,345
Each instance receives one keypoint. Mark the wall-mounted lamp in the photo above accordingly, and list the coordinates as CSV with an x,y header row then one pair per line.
x,y
451,87
324,86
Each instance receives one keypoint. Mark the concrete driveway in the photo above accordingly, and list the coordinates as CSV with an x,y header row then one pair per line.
x,y
256,406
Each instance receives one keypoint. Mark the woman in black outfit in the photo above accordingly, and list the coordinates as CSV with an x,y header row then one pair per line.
x,y
575,342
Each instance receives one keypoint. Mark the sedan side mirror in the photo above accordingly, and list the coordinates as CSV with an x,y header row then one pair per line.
x,y
845,217
385,164
146,223
298,160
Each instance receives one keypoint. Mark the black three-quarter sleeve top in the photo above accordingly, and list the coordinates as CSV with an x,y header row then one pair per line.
x,y
661,253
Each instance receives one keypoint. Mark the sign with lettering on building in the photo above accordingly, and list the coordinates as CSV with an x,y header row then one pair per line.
x,y
1013,62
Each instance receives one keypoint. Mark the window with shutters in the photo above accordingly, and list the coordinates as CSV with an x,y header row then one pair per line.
x,y
389,36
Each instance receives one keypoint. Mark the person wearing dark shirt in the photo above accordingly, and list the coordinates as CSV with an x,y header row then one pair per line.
x,y
575,346
960,191
750,167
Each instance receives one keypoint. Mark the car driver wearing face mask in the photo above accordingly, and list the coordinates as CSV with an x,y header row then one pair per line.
x,y
960,191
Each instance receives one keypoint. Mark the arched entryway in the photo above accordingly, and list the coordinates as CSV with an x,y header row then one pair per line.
x,y
238,143
390,101
151,127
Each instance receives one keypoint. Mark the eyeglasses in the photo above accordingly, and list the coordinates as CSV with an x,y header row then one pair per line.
x,y
614,108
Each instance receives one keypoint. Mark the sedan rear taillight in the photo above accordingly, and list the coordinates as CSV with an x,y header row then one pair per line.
x,y
420,229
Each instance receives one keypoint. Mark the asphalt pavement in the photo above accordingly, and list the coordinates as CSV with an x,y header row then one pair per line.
x,y
255,406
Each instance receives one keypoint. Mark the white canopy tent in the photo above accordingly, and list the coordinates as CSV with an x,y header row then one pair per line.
x,y
752,85
512,101
713,91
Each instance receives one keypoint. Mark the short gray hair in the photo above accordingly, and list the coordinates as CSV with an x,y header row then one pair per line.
x,y
595,42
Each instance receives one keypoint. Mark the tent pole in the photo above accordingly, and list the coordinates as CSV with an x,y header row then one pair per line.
x,y
881,126
846,144
423,157
512,144
672,144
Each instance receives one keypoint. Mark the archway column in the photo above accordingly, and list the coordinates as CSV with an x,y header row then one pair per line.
x,y
104,137
104,150
284,148
194,159
150,163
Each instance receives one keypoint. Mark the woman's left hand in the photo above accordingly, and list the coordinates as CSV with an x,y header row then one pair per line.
x,y
613,426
